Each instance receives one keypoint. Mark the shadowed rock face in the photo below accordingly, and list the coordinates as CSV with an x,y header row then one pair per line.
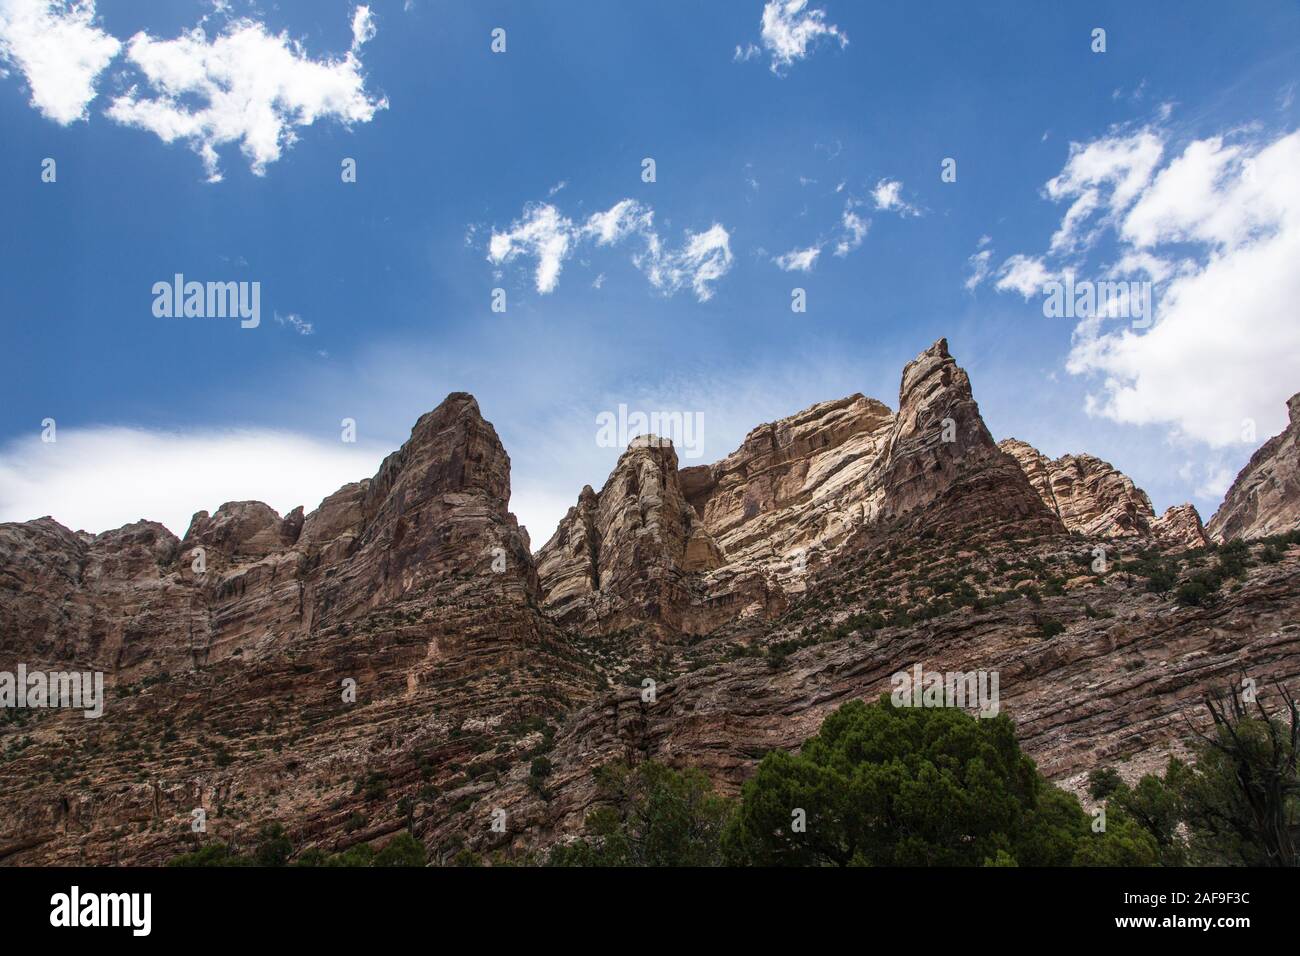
x,y
942,458
226,656
1265,498
435,512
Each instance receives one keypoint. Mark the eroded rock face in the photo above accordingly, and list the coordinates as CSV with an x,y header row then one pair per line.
x,y
1119,688
228,655
833,548
1265,498
1180,525
619,556
245,578
941,458
1095,499
1091,496
711,543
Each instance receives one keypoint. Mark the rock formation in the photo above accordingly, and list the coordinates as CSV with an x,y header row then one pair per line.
x,y
1265,498
397,659
698,547
1095,499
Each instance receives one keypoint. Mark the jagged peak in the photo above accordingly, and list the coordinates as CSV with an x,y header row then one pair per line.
x,y
649,441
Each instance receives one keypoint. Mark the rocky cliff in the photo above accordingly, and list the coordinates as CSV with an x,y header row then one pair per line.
x,y
1097,500
398,660
1265,498
696,548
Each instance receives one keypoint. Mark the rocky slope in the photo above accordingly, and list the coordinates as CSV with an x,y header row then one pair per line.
x,y
397,659
1265,498
300,665
1119,685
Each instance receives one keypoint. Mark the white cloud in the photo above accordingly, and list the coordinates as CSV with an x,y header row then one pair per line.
x,y
541,233
1107,174
624,218
789,32
102,478
1217,229
59,50
544,234
980,264
799,260
1024,274
295,322
888,196
704,258
244,86
855,230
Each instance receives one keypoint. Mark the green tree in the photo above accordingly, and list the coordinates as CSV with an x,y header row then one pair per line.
x,y
1156,806
654,816
1103,781
899,786
273,847
1124,842
401,850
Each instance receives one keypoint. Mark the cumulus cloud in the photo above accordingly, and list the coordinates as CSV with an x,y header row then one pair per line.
x,y
799,260
60,52
1105,176
544,234
245,86
703,258
102,478
888,196
1216,228
789,31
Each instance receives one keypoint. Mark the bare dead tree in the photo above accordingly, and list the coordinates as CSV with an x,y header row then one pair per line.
x,y
1265,765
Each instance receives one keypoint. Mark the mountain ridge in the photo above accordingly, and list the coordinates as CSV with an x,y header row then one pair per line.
x,y
832,548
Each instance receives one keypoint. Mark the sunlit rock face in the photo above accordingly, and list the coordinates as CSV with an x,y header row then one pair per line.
x,y
1265,498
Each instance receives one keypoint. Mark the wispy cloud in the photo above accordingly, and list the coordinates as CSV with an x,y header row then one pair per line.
x,y
980,264
799,260
544,234
854,230
888,197
295,322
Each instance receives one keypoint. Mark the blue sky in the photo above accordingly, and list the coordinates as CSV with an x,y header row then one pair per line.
x,y
376,294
